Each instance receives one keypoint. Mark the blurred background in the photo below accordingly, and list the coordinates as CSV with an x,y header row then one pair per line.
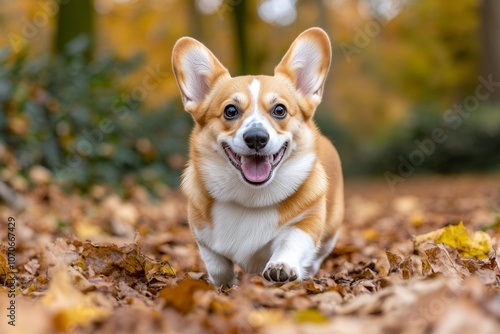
x,y
87,95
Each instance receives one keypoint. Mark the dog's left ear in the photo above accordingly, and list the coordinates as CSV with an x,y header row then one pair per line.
x,y
306,63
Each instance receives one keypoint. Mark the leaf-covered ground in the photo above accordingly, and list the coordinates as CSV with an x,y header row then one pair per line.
x,y
100,264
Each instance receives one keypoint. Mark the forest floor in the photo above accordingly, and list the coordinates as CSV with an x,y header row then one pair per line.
x,y
101,264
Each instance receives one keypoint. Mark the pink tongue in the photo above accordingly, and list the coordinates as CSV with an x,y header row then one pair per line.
x,y
256,168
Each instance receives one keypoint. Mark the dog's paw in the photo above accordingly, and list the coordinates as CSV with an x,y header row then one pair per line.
x,y
224,282
280,272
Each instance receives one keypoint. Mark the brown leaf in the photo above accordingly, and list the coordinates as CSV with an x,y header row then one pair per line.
x,y
426,267
127,260
4,266
183,296
312,287
327,301
406,268
394,261
441,261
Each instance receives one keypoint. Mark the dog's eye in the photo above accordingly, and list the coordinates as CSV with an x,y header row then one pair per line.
x,y
231,112
279,111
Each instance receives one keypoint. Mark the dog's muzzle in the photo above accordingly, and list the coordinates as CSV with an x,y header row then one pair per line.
x,y
256,168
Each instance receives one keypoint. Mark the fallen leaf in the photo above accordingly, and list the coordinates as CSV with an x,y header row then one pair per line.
x,y
426,267
431,288
406,204
441,261
477,245
32,266
312,287
87,230
370,234
310,315
155,269
394,261
68,305
115,261
4,266
182,296
261,317
417,220
406,268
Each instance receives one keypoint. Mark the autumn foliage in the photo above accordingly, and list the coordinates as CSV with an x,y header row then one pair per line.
x,y
405,263
99,240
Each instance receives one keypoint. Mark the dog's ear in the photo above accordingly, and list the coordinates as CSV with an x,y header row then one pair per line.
x,y
196,70
306,63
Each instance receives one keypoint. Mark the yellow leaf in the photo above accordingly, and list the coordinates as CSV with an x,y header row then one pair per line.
x,y
310,315
370,234
69,305
29,289
86,230
265,317
417,220
80,263
154,268
477,245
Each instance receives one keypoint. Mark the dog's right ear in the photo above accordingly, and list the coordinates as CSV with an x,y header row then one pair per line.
x,y
196,70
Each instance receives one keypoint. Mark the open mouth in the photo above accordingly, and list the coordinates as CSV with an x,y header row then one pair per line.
x,y
255,168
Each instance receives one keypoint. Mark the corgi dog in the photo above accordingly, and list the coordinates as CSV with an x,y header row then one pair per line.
x,y
264,187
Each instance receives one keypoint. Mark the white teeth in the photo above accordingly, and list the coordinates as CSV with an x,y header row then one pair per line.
x,y
243,159
271,159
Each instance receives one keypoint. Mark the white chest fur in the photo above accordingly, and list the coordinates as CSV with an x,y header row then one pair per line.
x,y
243,235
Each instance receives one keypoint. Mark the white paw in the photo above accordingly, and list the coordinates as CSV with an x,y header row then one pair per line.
x,y
224,282
280,272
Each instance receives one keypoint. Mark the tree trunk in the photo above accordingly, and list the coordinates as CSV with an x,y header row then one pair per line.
x,y
490,35
195,26
240,17
75,18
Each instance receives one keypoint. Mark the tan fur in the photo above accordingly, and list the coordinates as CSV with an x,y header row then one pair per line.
x,y
316,206
320,192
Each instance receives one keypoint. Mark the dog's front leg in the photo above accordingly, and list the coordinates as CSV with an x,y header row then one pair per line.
x,y
220,268
293,251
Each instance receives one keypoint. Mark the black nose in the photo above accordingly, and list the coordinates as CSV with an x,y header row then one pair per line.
x,y
256,138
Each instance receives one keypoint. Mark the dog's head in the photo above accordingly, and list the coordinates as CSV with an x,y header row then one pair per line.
x,y
252,125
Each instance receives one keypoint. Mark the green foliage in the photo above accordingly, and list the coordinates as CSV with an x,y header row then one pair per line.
x,y
79,120
468,143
